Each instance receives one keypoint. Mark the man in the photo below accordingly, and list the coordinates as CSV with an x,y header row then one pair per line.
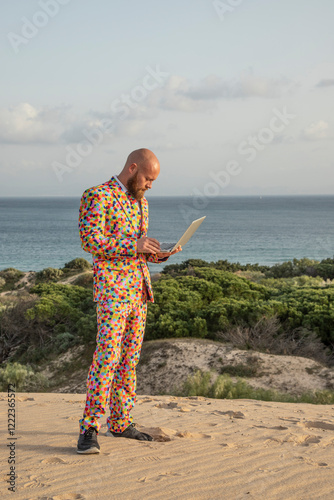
x,y
113,225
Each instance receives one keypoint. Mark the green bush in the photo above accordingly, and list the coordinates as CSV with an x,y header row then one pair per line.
x,y
287,283
307,267
60,316
11,276
78,264
223,387
192,299
201,384
203,304
64,340
325,269
22,377
310,307
49,274
65,308
174,310
186,267
207,301
290,269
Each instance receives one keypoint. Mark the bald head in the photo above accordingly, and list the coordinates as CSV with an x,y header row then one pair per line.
x,y
140,170
144,158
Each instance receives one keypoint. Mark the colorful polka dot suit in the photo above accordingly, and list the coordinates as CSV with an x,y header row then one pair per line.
x,y
107,231
110,222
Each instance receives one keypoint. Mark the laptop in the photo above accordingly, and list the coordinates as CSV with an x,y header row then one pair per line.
x,y
169,247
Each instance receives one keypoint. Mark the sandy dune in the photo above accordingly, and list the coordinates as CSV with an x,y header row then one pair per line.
x,y
204,449
165,364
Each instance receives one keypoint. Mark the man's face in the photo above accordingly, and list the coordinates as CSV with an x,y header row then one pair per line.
x,y
142,180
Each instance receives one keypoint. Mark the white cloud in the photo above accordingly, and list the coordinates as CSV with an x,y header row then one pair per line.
x,y
316,131
174,96
182,95
26,124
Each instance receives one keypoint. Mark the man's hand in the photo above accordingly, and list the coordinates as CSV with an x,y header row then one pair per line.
x,y
162,255
148,245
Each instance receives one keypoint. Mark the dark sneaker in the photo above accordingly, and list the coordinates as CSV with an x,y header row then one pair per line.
x,y
87,442
132,433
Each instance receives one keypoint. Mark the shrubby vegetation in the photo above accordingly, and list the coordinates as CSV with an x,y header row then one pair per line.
x,y
23,377
284,309
54,318
223,387
70,268
49,274
296,267
78,264
307,267
268,336
194,299
9,277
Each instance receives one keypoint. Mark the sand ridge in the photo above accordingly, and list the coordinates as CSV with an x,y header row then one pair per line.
x,y
165,364
203,449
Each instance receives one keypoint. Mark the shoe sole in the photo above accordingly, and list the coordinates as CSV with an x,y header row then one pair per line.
x,y
90,451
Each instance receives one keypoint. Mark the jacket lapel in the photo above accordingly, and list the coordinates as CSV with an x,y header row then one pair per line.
x,y
144,219
127,208
122,199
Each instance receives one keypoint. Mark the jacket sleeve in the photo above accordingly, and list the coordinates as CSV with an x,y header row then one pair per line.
x,y
152,257
91,229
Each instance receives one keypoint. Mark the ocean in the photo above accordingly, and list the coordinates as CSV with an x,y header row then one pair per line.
x,y
36,233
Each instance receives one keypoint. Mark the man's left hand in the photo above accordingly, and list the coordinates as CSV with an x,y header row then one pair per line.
x,y
162,255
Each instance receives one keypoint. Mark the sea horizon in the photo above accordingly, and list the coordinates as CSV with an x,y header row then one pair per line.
x,y
42,231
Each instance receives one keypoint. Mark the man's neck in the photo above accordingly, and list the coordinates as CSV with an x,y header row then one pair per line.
x,y
122,178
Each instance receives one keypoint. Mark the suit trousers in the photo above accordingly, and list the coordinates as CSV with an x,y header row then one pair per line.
x,y
112,375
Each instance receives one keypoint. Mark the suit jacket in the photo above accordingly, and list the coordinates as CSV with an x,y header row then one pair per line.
x,y
107,227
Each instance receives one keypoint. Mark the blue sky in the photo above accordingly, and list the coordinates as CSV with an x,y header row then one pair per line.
x,y
235,97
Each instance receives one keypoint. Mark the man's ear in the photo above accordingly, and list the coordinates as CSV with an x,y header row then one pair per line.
x,y
133,167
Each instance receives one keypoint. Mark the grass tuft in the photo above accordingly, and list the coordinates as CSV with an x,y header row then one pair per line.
x,y
223,387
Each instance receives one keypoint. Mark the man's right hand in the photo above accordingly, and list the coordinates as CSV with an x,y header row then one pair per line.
x,y
148,245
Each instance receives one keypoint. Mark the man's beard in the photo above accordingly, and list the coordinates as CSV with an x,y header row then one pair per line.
x,y
133,187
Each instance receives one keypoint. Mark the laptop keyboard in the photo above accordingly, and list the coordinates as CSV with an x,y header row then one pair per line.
x,y
166,246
